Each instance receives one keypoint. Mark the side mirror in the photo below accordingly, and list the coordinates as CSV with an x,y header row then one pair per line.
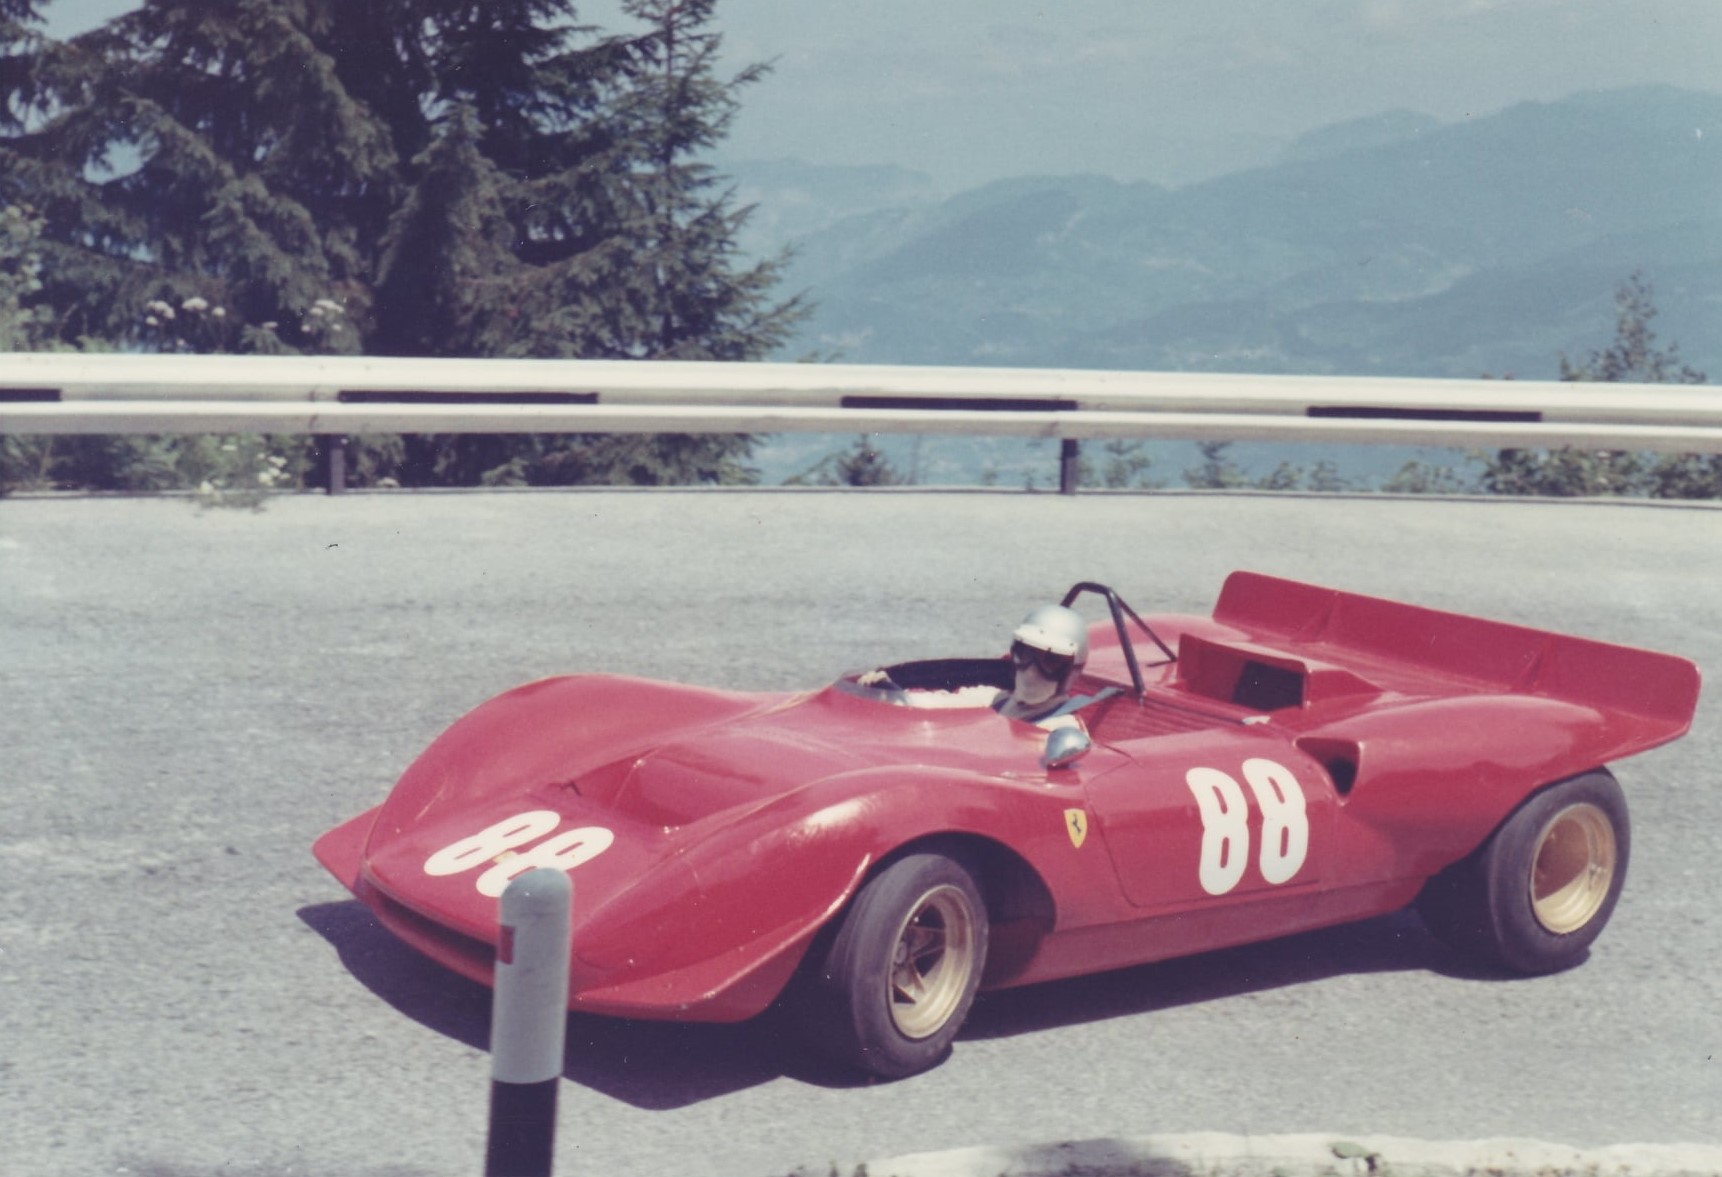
x,y
1064,747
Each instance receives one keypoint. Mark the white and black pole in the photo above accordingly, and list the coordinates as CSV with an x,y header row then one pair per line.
x,y
528,1022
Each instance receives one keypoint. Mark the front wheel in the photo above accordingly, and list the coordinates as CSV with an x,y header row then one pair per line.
x,y
1537,894
891,990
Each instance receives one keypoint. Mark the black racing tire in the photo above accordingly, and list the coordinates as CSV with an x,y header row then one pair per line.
x,y
1535,896
888,991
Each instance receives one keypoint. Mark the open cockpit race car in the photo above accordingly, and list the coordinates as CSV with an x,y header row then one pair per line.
x,y
873,852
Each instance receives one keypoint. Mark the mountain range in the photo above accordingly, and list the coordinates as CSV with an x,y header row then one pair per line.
x,y
1394,245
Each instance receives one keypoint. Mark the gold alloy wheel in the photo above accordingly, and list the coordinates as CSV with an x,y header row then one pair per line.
x,y
1574,866
932,962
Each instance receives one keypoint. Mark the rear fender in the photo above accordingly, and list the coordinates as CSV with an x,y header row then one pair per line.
x,y
1433,779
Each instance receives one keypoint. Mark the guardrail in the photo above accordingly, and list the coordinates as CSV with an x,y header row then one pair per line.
x,y
43,393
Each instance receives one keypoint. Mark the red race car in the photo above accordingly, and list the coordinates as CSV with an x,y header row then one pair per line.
x,y
874,851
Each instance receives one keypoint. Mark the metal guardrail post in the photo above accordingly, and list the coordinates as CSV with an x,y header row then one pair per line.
x,y
333,448
528,1023
1069,466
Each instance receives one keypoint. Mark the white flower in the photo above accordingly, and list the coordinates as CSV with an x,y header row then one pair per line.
x,y
150,320
195,304
219,312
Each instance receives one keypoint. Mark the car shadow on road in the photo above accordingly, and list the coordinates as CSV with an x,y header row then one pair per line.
x,y
650,1065
1391,943
666,1065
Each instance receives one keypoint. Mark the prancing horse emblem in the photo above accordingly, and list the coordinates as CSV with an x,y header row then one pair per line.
x,y
1076,825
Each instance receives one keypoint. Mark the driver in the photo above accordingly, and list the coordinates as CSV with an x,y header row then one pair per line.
x,y
1047,652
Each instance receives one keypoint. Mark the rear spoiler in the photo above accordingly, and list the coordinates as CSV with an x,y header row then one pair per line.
x,y
1352,630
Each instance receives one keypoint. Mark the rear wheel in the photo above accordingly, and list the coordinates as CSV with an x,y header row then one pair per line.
x,y
892,988
1537,894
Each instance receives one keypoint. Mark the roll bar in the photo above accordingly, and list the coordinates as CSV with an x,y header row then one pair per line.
x,y
1116,605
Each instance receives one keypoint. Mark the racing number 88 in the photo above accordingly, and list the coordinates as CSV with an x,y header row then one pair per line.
x,y
1226,824
565,851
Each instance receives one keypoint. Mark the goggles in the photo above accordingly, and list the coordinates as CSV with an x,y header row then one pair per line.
x,y
1050,665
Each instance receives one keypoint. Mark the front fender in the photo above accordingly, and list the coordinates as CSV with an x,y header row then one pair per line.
x,y
746,896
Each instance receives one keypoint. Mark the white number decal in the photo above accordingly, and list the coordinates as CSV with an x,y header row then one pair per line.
x,y
497,844
565,851
1225,828
1226,824
1285,827
485,845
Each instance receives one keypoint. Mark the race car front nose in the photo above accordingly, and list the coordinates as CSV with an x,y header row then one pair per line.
x,y
342,849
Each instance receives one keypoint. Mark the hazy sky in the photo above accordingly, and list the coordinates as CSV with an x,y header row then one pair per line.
x,y
971,90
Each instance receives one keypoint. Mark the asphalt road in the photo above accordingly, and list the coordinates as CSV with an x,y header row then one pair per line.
x,y
187,698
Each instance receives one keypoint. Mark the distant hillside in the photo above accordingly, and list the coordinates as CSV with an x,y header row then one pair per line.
x,y
1394,245
1394,126
791,200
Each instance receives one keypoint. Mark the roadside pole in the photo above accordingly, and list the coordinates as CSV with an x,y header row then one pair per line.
x,y
528,1024
1069,466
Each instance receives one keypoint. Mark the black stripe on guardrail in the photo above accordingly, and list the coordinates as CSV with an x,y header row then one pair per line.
x,y
1384,413
984,404
406,397
18,396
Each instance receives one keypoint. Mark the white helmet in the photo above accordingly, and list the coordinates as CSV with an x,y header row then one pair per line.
x,y
1057,632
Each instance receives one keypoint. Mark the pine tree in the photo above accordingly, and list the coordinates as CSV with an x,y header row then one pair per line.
x,y
1632,357
23,327
862,464
19,45
24,461
395,177
1218,471
689,298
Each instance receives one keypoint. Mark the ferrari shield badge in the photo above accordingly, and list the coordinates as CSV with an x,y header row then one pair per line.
x,y
1076,825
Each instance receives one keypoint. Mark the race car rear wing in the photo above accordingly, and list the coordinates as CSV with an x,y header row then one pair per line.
x,y
1376,637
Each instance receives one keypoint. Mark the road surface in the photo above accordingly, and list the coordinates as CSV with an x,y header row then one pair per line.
x,y
188,697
